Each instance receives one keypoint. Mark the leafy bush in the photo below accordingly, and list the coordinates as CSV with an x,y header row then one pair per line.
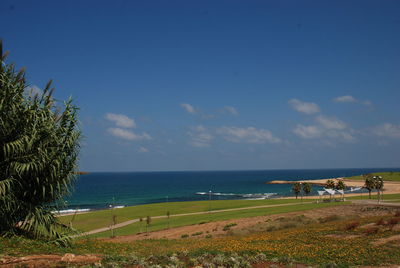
x,y
228,226
394,220
197,233
38,153
351,225
184,236
381,221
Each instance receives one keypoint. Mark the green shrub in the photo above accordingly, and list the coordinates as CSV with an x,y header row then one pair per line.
x,y
351,225
197,233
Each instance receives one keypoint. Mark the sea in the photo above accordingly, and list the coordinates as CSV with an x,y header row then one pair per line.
x,y
99,190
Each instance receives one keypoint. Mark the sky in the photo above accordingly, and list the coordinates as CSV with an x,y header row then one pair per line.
x,y
218,85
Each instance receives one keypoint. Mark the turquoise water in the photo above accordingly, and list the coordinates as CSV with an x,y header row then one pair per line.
x,y
99,190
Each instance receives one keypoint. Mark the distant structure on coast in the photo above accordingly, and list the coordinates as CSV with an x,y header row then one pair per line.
x,y
81,173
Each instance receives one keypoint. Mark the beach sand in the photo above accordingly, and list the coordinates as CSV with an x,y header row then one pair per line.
x,y
390,187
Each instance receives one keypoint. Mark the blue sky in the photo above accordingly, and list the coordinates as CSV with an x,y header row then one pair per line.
x,y
218,85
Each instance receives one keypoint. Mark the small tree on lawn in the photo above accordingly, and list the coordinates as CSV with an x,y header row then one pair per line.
x,y
307,188
296,189
168,214
148,222
369,183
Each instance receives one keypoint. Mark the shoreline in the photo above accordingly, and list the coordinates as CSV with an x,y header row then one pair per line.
x,y
390,187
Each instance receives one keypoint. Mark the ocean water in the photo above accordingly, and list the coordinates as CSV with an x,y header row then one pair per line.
x,y
99,190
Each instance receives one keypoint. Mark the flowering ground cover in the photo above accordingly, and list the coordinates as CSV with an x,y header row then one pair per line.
x,y
335,241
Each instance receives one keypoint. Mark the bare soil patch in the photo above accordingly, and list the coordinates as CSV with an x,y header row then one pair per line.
x,y
343,236
393,238
37,261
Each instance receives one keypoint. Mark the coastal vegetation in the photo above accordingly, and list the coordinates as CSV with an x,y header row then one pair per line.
x,y
38,151
307,188
326,242
296,189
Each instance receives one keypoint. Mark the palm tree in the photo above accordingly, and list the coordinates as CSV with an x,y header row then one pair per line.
x,y
39,144
296,189
330,184
369,183
340,185
307,188
378,186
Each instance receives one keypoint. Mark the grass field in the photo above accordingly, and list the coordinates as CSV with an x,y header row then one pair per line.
x,y
160,224
387,176
103,218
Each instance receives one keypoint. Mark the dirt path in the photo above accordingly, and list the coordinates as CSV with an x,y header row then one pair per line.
x,y
125,223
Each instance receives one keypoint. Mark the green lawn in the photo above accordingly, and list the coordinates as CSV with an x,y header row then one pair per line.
x,y
387,176
159,224
103,218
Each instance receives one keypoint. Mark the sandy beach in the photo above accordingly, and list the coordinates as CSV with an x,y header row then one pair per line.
x,y
390,187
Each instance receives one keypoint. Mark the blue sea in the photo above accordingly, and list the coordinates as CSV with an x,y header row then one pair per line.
x,y
100,190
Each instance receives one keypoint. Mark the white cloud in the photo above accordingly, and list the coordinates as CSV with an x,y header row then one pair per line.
x,y
328,128
189,108
143,149
367,102
314,132
330,123
346,98
308,132
128,134
121,120
388,130
351,99
304,107
200,137
340,134
248,135
231,110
